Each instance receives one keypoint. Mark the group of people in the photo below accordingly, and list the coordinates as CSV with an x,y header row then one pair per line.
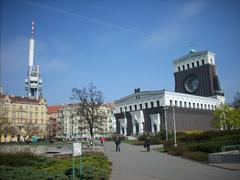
x,y
146,144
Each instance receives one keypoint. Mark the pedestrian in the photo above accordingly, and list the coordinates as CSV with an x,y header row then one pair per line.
x,y
101,140
117,142
147,143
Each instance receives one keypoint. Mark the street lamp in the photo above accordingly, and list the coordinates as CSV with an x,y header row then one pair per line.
x,y
174,128
166,130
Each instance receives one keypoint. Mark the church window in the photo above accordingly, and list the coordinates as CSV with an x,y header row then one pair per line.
x,y
197,63
192,64
152,105
158,104
140,106
130,108
183,67
187,66
146,105
178,68
135,107
202,61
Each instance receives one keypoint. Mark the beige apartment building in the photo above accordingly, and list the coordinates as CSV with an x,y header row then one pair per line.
x,y
22,117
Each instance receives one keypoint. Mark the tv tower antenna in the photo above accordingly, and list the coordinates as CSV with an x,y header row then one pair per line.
x,y
33,82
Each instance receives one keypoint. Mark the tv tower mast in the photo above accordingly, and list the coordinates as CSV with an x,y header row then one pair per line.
x,y
33,82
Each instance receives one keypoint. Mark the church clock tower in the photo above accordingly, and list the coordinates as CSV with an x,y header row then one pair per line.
x,y
195,74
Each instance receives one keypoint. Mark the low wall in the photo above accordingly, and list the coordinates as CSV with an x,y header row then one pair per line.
x,y
224,157
22,148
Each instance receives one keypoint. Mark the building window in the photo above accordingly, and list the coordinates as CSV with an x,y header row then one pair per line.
x,y
135,106
152,105
193,105
197,63
140,106
202,61
178,68
192,64
183,67
146,105
211,61
189,104
158,104
125,108
212,107
205,106
130,108
180,103
185,104
176,103
120,109
198,105
208,106
187,66
201,106
171,103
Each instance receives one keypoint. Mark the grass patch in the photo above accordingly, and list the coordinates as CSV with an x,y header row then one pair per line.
x,y
28,166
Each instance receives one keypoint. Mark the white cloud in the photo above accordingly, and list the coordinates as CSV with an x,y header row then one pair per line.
x,y
170,33
191,9
55,65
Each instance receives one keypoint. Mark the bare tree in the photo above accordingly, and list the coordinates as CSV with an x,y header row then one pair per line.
x,y
4,124
29,130
89,99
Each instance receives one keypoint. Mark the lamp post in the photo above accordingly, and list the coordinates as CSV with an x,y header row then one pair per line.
x,y
174,128
166,123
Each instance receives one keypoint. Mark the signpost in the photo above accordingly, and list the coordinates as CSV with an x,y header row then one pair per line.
x,y
77,151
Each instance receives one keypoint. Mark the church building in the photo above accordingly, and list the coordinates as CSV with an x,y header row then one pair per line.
x,y
197,94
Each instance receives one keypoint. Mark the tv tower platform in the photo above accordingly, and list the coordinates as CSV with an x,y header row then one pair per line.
x,y
33,82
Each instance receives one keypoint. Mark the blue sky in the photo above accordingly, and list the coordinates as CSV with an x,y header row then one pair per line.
x,y
117,45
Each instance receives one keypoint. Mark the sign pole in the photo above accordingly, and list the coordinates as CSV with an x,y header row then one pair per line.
x,y
81,167
73,172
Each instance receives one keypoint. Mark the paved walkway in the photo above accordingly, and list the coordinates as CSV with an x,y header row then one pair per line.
x,y
134,163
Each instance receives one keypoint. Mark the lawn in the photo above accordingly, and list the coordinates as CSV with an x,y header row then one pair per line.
x,y
28,166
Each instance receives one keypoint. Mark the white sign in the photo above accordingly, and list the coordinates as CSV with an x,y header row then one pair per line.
x,y
77,149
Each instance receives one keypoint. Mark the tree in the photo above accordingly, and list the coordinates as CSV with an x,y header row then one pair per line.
x,y
236,100
227,117
89,99
4,124
29,129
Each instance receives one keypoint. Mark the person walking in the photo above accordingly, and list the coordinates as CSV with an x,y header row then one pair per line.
x,y
147,143
117,142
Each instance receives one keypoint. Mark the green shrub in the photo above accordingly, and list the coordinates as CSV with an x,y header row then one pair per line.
x,y
198,156
177,151
95,165
142,137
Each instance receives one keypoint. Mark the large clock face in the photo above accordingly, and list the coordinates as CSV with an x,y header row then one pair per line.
x,y
191,83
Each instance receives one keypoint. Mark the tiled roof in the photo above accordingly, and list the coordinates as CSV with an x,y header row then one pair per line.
x,y
54,109
22,99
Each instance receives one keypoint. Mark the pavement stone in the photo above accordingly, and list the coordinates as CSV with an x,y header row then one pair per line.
x,y
134,163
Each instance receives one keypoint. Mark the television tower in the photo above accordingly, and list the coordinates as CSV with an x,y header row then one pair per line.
x,y
33,82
